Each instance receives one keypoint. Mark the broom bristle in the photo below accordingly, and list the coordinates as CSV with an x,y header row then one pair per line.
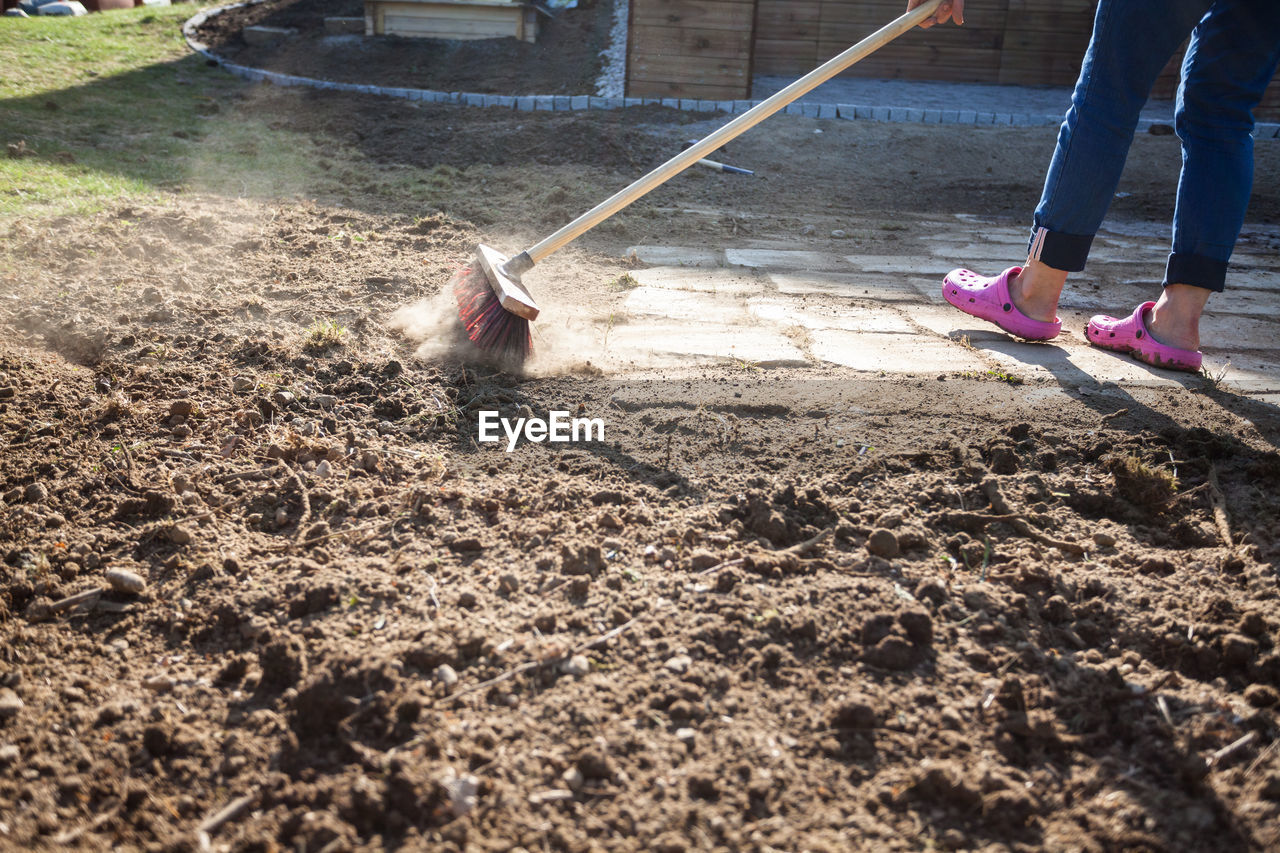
x,y
490,327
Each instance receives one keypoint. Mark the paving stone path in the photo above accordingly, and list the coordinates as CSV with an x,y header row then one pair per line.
x,y
765,306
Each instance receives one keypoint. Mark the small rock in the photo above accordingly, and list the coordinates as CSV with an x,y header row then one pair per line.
x,y
35,493
577,666
839,234
323,469
446,675
509,583
325,401
918,624
702,559
123,580
181,408
283,399
807,231
1237,650
9,754
180,535
573,778
1261,695
883,543
1057,610
159,684
1104,540
686,735
241,384
892,652
462,792
679,664
10,703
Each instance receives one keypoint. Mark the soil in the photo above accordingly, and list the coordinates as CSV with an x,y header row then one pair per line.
x,y
565,59
791,609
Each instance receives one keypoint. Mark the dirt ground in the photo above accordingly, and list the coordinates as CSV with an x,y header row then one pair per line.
x,y
792,609
564,60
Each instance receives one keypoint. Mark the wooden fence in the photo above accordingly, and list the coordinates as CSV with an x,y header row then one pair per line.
x,y
711,48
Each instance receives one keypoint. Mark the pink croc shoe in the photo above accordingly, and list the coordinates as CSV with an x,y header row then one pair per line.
x,y
1131,335
988,299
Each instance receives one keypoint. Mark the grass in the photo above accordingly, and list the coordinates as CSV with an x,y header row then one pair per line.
x,y
324,334
113,107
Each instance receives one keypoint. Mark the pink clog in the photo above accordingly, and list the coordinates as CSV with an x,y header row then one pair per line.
x,y
988,299
1132,336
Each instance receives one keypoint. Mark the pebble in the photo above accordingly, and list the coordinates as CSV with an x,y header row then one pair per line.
x,y
509,583
283,399
577,666
325,401
807,231
9,754
35,493
686,735
241,384
10,703
323,469
462,792
159,684
123,580
1104,540
446,675
839,234
679,664
573,778
180,535
883,543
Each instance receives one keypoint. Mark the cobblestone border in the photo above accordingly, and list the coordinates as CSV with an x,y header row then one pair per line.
x,y
564,103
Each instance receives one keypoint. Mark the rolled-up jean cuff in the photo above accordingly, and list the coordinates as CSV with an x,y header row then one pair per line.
x,y
1197,271
1066,252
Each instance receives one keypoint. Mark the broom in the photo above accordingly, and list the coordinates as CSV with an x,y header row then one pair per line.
x,y
493,304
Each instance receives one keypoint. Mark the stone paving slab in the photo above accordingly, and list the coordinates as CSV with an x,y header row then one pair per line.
x,y
1070,365
875,352
653,345
886,288
785,259
675,256
685,305
704,280
854,318
1252,278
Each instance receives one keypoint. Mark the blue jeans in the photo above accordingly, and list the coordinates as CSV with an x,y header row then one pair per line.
x,y
1232,56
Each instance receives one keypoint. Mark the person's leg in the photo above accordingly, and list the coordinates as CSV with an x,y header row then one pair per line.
x,y
1131,43
1233,55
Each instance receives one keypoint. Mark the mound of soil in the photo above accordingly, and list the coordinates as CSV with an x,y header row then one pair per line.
x,y
564,61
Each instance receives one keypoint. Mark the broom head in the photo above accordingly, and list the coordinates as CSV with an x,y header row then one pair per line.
x,y
494,307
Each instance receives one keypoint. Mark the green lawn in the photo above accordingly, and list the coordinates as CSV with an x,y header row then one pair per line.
x,y
114,106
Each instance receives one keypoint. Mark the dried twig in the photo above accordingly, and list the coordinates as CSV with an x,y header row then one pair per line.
x,y
1219,502
86,597
221,818
975,520
1119,413
807,545
1231,749
538,664
719,567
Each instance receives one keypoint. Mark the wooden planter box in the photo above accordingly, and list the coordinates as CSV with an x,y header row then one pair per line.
x,y
451,19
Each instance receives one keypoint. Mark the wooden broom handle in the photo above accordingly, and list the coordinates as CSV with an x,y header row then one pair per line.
x,y
732,130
